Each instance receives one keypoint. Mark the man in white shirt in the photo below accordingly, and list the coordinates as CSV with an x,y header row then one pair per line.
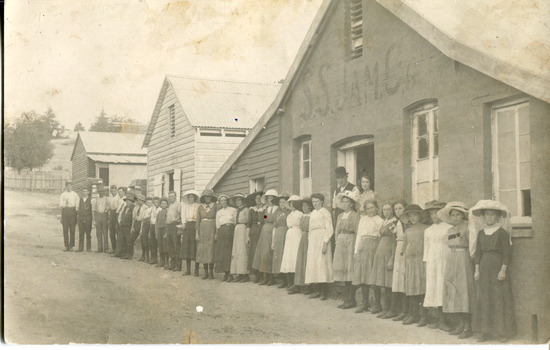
x,y
100,211
114,202
68,202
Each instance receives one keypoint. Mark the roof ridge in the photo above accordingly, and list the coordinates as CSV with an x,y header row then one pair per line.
x,y
172,75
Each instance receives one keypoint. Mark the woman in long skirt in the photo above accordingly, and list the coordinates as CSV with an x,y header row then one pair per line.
x,y
292,240
256,221
366,242
301,259
345,232
383,259
279,236
206,230
263,258
189,213
239,255
458,292
494,302
399,302
435,254
415,274
225,228
319,255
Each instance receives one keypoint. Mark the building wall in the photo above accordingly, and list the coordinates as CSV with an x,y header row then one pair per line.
x,y
79,166
211,153
167,153
260,159
336,98
123,174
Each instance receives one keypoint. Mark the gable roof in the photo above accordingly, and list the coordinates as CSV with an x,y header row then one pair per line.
x,y
530,75
216,103
111,143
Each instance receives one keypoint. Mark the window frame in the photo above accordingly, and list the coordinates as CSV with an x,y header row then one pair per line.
x,y
305,182
252,183
517,220
355,20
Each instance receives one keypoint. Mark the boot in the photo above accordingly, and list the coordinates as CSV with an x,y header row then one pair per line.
x,y
404,308
365,299
392,312
459,327
386,307
290,278
436,318
414,316
284,282
238,279
294,290
263,279
146,255
270,280
315,291
211,271
256,274
377,307
177,263
423,317
324,291
197,266
172,264
443,322
153,259
229,277
225,276
142,258
205,266
350,297
307,290
161,261
245,278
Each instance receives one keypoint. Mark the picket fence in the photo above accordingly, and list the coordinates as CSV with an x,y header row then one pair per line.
x,y
53,181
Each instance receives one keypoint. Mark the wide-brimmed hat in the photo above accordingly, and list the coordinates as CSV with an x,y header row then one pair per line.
x,y
485,204
413,208
340,171
347,194
284,196
251,198
272,193
435,204
293,198
208,193
235,196
445,213
130,197
140,197
223,196
194,193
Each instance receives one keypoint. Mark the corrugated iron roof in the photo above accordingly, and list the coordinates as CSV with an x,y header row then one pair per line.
x,y
209,103
118,159
112,143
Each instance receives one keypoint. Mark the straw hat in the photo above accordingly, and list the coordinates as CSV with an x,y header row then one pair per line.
x,y
293,198
347,194
272,193
445,213
484,204
435,204
140,197
413,208
235,196
223,196
194,193
208,193
251,198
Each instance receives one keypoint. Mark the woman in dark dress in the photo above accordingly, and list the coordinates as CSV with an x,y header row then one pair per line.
x,y
494,315
263,257
225,229
279,235
256,221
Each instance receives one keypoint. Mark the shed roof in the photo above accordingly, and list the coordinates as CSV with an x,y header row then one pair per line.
x,y
508,41
212,103
111,143
118,159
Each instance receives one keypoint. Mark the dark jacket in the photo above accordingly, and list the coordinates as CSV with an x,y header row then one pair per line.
x,y
85,210
126,218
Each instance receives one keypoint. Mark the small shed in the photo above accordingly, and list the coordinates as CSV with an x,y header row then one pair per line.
x,y
116,158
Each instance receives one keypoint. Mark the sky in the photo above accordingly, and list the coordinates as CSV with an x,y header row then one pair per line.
x,y
79,57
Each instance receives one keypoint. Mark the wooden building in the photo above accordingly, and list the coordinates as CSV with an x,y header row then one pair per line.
x,y
116,158
197,123
379,87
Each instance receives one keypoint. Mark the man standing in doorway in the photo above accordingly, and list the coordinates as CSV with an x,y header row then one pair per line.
x,y
343,185
68,201
173,219
100,214
85,221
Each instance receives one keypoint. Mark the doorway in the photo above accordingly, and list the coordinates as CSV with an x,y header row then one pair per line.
x,y
358,158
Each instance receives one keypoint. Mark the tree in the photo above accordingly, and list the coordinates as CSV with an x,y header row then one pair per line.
x,y
115,123
50,121
79,127
27,143
102,123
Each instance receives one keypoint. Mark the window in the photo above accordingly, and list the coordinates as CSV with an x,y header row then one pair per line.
x,y
172,117
211,132
171,181
257,184
103,174
235,133
511,144
425,154
305,168
355,14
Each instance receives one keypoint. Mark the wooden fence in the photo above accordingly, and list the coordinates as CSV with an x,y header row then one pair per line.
x,y
53,181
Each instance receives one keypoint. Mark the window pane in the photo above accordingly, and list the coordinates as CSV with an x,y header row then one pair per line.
x,y
422,125
436,144
524,148
507,176
509,199
525,175
436,121
506,121
423,148
523,115
526,196
305,151
305,165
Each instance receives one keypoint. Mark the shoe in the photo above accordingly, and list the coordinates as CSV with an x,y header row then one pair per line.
x,y
230,278
375,309
433,325
196,274
465,334
224,278
153,262
186,273
458,330
422,322
211,276
444,327
411,320
127,257
142,258
341,305
324,296
271,282
98,251
362,308
315,295
482,338
205,277
282,285
348,305
78,251
70,249
238,279
88,250
246,278
502,338
263,282
294,290
389,314
66,249
400,317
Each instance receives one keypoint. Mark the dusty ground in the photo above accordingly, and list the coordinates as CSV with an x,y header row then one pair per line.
x,y
57,297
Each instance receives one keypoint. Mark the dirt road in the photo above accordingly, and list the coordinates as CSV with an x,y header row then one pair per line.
x,y
57,297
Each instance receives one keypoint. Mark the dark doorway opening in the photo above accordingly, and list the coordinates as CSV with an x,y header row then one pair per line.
x,y
365,163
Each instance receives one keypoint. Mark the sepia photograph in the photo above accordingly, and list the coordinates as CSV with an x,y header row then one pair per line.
x,y
276,172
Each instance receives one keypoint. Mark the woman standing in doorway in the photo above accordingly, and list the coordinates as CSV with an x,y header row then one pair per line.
x,y
256,218
319,255
365,193
263,257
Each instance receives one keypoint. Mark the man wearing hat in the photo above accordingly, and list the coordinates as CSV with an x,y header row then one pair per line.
x,y
342,186
125,226
85,221
100,212
114,202
137,217
68,201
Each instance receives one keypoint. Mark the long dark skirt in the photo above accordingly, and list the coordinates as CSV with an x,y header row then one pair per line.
x,y
300,277
188,244
494,302
263,258
205,245
278,248
254,235
223,248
